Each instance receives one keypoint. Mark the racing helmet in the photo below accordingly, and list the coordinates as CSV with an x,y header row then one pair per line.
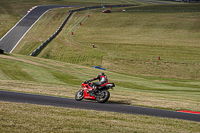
x,y
101,74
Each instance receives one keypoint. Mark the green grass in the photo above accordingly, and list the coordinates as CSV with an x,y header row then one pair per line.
x,y
133,44
35,118
127,44
47,25
11,11
132,54
56,78
167,8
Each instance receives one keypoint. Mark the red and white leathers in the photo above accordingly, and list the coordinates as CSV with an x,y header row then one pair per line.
x,y
102,79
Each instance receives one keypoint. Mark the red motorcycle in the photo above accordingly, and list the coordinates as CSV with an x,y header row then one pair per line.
x,y
101,94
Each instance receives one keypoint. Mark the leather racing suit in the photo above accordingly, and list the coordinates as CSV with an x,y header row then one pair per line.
x,y
102,79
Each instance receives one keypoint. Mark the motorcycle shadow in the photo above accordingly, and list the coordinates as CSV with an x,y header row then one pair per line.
x,y
125,102
120,102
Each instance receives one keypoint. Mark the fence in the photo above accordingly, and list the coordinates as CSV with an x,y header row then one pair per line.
x,y
43,45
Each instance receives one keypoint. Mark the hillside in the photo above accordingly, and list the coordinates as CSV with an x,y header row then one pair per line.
x,y
35,75
127,44
50,77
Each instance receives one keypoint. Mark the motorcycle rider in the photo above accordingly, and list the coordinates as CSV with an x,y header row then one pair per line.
x,y
102,79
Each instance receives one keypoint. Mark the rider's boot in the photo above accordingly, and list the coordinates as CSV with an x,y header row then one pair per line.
x,y
94,89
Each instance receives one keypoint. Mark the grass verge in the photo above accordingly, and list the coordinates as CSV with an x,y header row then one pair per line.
x,y
130,58
50,77
133,44
34,118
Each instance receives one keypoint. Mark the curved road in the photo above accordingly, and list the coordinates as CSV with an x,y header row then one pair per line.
x,y
92,105
10,40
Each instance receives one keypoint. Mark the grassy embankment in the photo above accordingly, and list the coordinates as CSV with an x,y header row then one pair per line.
x,y
134,86
11,11
34,118
145,36
49,77
130,43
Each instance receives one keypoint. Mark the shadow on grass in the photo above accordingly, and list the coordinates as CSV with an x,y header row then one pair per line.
x,y
126,102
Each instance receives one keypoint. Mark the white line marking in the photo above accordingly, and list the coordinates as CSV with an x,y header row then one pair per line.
x,y
27,31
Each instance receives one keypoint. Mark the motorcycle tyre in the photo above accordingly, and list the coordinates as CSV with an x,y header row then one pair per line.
x,y
106,98
79,98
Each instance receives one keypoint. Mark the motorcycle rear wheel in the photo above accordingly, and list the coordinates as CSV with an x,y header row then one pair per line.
x,y
79,95
103,96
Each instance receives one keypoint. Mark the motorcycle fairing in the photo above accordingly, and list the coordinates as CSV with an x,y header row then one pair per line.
x,y
87,95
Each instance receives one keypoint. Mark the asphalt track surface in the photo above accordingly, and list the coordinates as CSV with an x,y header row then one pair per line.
x,y
10,40
92,105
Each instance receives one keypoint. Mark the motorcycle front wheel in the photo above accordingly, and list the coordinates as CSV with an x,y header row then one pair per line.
x,y
79,95
103,96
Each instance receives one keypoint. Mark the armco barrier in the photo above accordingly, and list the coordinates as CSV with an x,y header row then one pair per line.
x,y
43,45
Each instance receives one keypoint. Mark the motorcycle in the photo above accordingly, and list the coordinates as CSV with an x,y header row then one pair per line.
x,y
101,94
